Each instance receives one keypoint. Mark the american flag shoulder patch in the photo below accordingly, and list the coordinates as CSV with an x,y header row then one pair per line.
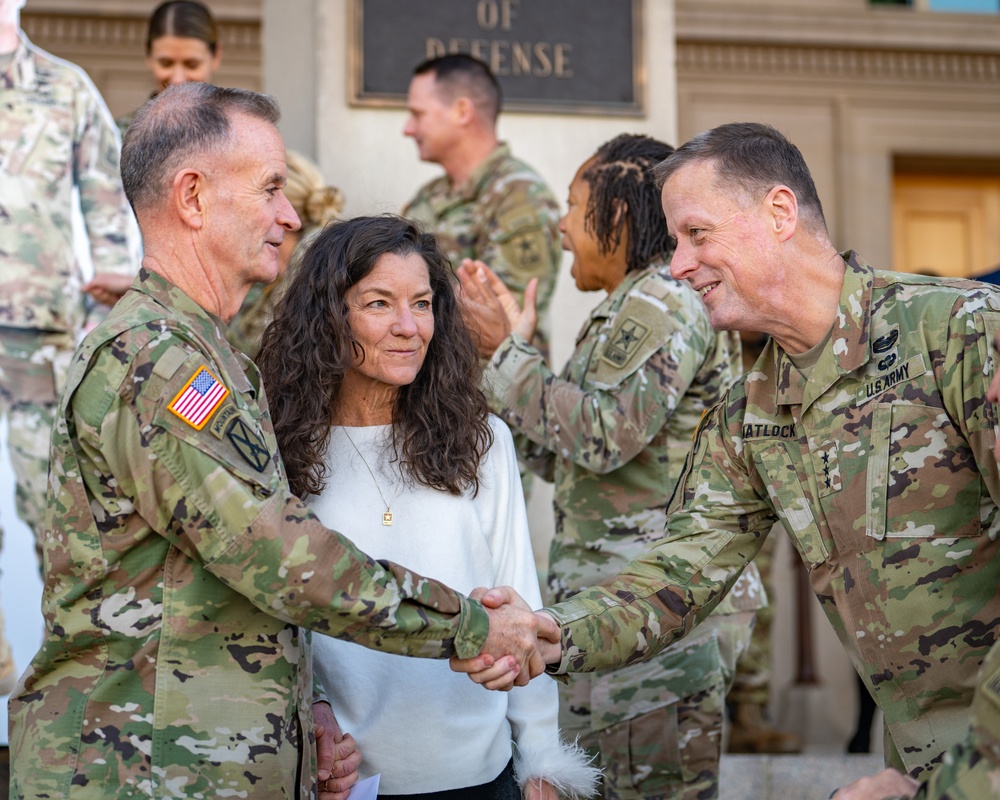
x,y
199,398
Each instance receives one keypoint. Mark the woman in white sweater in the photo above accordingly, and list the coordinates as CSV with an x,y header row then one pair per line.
x,y
372,379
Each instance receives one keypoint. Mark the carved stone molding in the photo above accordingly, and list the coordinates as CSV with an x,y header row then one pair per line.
x,y
702,58
127,34
111,47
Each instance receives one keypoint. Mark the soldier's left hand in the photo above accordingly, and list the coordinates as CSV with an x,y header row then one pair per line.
x,y
337,755
889,784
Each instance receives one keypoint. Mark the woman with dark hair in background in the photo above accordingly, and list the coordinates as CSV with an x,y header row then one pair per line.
x,y
373,381
182,44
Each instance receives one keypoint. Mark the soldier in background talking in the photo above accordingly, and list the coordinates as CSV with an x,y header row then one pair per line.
x,y
863,428
488,205
56,136
612,432
180,569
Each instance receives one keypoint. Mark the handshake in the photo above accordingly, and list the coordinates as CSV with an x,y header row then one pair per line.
x,y
520,643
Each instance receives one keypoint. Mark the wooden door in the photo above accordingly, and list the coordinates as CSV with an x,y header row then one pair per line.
x,y
946,225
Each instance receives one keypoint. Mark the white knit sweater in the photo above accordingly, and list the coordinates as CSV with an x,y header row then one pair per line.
x,y
422,726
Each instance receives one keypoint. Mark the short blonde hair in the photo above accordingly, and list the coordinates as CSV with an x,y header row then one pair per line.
x,y
314,201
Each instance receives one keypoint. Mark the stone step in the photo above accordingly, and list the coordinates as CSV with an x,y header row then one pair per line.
x,y
795,777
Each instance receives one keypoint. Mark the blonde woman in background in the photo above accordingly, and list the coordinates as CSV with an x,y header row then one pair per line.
x,y
316,203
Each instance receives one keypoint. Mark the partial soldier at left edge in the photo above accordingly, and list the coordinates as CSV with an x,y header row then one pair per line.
x,y
57,138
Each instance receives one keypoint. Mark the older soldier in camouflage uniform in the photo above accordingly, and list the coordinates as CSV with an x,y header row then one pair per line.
x,y
56,135
179,567
488,205
863,428
612,433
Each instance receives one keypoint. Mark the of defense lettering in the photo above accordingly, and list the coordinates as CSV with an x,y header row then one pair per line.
x,y
517,58
506,56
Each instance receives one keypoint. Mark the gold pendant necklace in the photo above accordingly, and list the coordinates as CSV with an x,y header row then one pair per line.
x,y
387,514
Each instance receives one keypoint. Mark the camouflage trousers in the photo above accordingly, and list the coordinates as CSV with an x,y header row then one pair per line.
x,y
752,684
33,368
656,726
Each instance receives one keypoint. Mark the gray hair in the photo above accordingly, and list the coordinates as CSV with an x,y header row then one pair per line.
x,y
182,121
751,158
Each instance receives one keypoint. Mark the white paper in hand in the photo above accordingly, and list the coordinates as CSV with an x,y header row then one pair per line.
x,y
365,790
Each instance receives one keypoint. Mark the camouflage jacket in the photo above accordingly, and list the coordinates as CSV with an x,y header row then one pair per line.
x,y
503,215
56,134
179,569
880,469
256,313
971,769
612,432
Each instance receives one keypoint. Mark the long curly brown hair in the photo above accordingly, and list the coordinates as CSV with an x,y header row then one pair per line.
x,y
440,422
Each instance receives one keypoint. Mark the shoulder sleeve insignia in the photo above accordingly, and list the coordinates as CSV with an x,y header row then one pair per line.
x,y
248,444
625,341
528,250
199,398
110,148
222,420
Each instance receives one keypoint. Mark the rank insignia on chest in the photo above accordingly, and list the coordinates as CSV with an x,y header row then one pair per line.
x,y
199,398
625,341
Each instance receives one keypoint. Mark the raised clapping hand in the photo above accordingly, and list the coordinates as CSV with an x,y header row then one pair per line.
x,y
519,644
489,309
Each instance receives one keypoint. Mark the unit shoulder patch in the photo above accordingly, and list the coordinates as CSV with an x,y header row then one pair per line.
x,y
625,341
248,444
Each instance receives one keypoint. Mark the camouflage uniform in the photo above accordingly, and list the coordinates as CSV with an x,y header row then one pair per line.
x,y
612,434
752,682
56,134
256,312
880,468
971,769
247,327
503,215
178,571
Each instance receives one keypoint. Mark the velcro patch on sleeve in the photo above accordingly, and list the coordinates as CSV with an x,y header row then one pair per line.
x,y
200,397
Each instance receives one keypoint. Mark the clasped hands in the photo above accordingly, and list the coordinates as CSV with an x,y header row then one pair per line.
x,y
520,643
